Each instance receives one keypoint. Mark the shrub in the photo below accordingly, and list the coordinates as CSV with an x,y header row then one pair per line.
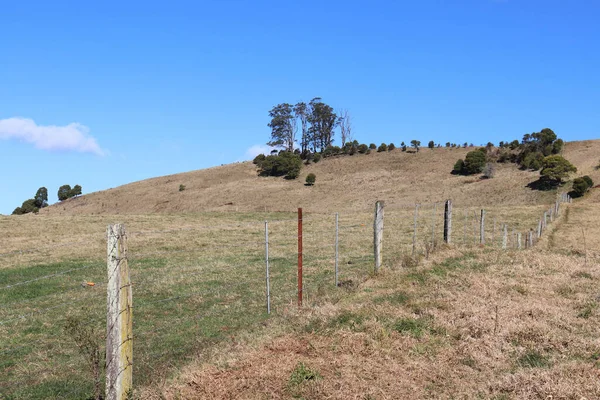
x,y
363,148
28,206
458,167
589,181
474,162
285,164
317,158
372,146
382,147
310,179
17,211
331,151
181,188
580,186
391,147
403,145
489,171
431,144
258,159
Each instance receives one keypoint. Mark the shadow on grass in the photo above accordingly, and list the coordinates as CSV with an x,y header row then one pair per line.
x,y
543,185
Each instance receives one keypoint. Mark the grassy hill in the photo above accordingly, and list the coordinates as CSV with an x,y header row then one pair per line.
x,y
459,321
343,183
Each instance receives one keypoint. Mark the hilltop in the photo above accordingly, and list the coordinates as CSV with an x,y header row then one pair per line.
x,y
343,183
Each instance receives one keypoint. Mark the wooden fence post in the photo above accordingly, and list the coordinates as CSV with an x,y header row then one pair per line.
x,y
539,229
337,248
433,225
448,222
378,233
519,240
267,281
119,322
414,243
482,227
300,294
474,227
504,236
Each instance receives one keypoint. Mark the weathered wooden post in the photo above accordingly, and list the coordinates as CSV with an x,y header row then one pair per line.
x,y
414,242
119,322
300,287
433,225
474,227
378,233
494,231
545,220
504,236
482,227
519,240
448,222
337,249
267,282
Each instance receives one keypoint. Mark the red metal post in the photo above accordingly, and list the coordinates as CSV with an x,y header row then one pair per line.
x,y
299,257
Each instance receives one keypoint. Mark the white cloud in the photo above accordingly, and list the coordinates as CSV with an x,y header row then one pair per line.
x,y
72,137
257,149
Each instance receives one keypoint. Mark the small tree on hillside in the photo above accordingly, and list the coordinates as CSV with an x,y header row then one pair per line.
x,y
391,147
382,147
403,145
416,144
556,168
41,197
63,192
431,144
310,179
76,191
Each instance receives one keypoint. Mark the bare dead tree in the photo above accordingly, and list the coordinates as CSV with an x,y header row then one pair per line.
x,y
345,126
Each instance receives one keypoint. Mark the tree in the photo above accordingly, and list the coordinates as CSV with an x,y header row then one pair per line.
x,y
431,144
403,145
415,144
580,186
322,121
76,191
372,146
345,126
391,147
474,162
17,211
283,127
588,180
63,192
41,197
310,179
362,148
556,168
382,147
489,171
301,112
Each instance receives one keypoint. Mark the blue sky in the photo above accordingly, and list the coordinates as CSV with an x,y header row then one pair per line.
x,y
105,94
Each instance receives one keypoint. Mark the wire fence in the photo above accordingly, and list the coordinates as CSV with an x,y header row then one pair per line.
x,y
201,284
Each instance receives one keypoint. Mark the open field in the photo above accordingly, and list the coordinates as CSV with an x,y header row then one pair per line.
x,y
198,281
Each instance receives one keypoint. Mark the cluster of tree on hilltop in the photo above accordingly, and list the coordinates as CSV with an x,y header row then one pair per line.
x,y
317,122
40,200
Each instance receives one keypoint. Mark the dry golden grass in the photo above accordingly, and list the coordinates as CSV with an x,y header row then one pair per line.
x,y
495,325
411,332
343,184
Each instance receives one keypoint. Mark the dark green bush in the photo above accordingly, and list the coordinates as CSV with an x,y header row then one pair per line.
x,y
317,157
382,147
372,146
285,164
63,192
391,147
589,180
362,148
458,167
474,162
310,179
259,159
580,186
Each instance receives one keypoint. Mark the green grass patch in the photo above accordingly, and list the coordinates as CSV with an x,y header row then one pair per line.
x,y
533,359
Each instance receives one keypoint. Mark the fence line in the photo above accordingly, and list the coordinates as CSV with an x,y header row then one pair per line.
x,y
334,249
